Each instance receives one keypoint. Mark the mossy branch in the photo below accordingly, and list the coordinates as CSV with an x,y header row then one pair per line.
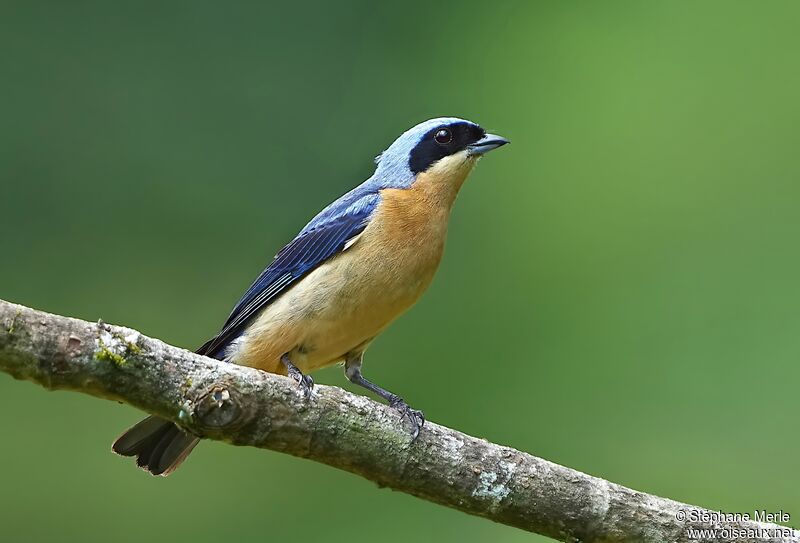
x,y
244,406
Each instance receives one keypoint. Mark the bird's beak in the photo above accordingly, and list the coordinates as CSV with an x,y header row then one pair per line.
x,y
486,144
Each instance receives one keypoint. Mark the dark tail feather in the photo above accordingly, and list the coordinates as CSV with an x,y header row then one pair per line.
x,y
158,445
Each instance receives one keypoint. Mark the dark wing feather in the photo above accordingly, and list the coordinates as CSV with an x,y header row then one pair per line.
x,y
315,245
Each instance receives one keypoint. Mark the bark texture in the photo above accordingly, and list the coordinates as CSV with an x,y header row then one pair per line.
x,y
249,407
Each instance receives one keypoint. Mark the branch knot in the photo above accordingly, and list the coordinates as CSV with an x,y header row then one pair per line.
x,y
218,408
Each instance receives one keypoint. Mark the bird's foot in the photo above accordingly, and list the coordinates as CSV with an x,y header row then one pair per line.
x,y
414,416
305,381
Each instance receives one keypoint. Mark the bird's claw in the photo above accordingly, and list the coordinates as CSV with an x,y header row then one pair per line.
x,y
415,416
305,381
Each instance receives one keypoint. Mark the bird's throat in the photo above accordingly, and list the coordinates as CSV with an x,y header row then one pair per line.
x,y
442,181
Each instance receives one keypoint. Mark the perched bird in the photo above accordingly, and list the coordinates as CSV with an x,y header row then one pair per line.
x,y
360,263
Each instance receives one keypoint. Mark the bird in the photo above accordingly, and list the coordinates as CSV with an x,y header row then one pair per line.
x,y
354,268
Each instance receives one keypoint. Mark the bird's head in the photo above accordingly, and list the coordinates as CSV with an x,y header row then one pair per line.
x,y
445,148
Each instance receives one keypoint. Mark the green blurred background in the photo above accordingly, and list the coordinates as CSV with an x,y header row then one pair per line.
x,y
619,294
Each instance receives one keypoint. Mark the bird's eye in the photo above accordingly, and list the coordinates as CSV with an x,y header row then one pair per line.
x,y
443,136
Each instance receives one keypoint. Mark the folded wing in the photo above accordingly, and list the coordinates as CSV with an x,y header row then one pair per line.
x,y
324,237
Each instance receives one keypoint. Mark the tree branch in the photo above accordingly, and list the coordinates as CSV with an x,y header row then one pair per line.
x,y
244,406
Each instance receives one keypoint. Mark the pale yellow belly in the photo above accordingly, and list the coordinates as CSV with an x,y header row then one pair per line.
x,y
344,303
340,306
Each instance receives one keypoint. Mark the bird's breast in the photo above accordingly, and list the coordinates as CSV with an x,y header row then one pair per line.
x,y
348,300
401,248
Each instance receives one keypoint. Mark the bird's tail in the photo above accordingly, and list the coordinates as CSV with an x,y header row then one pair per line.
x,y
158,445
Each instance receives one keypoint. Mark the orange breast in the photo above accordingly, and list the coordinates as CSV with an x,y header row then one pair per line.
x,y
351,298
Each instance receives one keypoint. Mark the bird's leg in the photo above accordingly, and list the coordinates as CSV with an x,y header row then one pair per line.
x,y
352,369
305,381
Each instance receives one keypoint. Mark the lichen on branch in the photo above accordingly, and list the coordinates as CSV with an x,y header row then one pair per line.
x,y
245,406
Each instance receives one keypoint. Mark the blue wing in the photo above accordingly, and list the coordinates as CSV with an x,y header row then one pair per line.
x,y
325,236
